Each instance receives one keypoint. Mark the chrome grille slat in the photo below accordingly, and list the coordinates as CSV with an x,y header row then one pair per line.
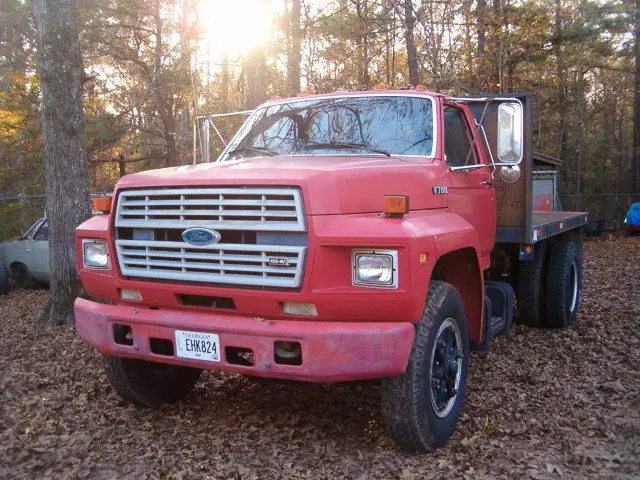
x,y
193,213
195,256
267,203
206,266
220,208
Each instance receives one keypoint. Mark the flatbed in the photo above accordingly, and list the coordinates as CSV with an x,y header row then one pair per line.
x,y
548,224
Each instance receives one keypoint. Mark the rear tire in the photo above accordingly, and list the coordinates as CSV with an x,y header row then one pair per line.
x,y
22,276
421,407
4,280
150,384
564,284
531,288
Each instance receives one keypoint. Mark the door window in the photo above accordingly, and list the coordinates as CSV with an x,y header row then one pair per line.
x,y
43,232
459,150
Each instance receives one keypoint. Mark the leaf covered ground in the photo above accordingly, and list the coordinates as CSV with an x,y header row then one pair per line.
x,y
541,404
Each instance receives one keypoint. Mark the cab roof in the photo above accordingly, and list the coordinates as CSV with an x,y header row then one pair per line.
x,y
352,93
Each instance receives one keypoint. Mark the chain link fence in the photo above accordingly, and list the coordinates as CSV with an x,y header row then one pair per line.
x,y
610,208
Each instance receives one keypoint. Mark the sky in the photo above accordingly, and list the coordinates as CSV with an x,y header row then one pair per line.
x,y
236,25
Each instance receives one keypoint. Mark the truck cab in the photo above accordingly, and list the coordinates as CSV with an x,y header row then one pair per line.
x,y
337,237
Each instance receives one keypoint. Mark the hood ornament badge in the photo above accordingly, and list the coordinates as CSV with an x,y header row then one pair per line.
x,y
201,236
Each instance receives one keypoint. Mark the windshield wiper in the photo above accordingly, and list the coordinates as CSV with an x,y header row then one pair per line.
x,y
328,146
269,152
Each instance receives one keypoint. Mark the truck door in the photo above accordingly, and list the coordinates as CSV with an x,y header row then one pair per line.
x,y
471,194
38,262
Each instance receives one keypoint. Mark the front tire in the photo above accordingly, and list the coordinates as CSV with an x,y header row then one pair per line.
x,y
422,406
150,384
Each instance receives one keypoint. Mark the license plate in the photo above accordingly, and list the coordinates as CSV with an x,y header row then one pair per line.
x,y
198,346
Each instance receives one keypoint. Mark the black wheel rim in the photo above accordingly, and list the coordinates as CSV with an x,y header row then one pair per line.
x,y
445,368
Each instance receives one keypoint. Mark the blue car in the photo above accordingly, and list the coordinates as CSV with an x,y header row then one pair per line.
x,y
632,220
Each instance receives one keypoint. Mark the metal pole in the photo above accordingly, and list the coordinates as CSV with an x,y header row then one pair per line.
x,y
195,143
206,153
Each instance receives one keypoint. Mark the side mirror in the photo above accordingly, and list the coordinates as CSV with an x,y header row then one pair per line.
x,y
510,133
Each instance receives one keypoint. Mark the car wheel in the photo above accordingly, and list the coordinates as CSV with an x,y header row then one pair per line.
x,y
150,384
22,276
564,284
4,280
531,288
422,406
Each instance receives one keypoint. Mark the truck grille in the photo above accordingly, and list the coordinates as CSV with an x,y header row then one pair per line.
x,y
149,244
275,209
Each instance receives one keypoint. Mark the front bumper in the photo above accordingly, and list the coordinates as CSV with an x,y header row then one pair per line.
x,y
331,351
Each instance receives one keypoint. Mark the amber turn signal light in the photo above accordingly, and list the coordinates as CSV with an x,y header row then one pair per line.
x,y
101,204
396,205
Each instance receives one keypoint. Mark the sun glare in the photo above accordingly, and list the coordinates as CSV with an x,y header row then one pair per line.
x,y
235,26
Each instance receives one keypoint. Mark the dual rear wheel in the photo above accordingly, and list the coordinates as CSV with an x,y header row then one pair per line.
x,y
549,285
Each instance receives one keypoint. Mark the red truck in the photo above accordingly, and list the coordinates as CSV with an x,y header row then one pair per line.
x,y
346,236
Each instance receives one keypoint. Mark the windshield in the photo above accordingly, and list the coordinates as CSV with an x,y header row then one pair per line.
x,y
374,124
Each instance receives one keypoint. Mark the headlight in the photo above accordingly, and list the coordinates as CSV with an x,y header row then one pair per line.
x,y
376,268
95,254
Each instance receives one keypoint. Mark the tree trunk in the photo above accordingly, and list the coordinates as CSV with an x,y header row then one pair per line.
x,y
561,73
66,167
480,12
497,38
635,159
481,71
256,76
225,82
362,9
412,53
294,48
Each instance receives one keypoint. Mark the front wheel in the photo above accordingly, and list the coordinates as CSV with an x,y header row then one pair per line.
x,y
150,384
421,407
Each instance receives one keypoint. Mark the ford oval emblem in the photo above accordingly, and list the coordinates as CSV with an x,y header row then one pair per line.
x,y
201,236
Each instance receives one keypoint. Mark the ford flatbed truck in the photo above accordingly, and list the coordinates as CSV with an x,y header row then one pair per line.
x,y
347,236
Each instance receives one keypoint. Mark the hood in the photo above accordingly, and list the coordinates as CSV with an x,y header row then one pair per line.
x,y
330,184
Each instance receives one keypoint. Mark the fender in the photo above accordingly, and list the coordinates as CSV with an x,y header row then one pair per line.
x,y
458,262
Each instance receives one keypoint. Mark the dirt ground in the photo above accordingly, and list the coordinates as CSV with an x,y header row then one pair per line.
x,y
541,404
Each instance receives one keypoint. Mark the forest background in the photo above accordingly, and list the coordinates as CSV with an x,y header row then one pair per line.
x,y
153,66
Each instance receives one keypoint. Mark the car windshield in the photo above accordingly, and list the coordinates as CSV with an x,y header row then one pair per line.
x,y
374,124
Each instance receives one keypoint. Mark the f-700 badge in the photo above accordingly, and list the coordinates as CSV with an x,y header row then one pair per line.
x,y
278,262
439,190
